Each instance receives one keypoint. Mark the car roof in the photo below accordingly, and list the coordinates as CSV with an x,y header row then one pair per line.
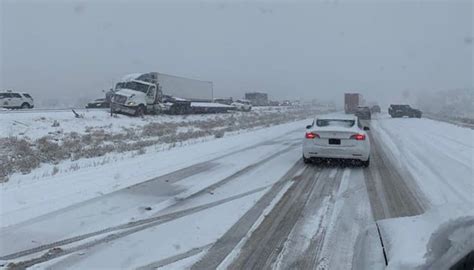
x,y
336,116
10,92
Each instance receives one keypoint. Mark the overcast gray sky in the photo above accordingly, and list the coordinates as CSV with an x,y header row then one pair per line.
x,y
317,49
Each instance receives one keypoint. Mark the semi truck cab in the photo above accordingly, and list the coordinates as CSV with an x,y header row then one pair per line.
x,y
136,97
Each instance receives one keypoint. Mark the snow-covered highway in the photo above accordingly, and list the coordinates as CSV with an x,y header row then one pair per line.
x,y
245,201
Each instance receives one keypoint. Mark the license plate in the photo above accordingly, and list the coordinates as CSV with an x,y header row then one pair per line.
x,y
334,141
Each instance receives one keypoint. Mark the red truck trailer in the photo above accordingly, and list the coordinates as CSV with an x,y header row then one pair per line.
x,y
351,102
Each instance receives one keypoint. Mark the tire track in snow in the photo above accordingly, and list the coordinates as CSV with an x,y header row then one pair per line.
x,y
225,245
437,143
304,244
422,171
142,187
174,258
239,173
312,257
267,241
123,230
391,193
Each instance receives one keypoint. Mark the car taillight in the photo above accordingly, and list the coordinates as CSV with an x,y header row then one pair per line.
x,y
358,137
311,135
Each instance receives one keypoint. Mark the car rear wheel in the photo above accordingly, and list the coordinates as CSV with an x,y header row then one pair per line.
x,y
366,163
25,106
306,160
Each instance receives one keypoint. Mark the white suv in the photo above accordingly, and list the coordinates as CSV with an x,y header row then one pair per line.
x,y
15,100
242,105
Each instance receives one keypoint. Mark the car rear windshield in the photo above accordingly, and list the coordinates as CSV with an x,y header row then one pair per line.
x,y
399,106
27,95
335,122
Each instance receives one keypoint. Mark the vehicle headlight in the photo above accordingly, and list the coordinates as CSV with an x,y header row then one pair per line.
x,y
131,103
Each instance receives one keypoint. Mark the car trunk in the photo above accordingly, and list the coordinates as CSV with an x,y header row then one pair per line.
x,y
335,138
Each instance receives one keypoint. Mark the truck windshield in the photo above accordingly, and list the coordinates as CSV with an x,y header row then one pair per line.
x,y
132,86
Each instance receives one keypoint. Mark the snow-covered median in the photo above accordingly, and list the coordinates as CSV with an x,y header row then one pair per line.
x,y
26,196
48,139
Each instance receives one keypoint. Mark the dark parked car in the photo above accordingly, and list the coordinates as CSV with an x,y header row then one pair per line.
x,y
98,103
273,103
397,110
363,113
375,109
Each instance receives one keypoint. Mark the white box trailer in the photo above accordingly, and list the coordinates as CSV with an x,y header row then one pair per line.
x,y
155,92
189,89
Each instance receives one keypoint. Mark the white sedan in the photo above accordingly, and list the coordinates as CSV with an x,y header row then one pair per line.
x,y
336,137
242,105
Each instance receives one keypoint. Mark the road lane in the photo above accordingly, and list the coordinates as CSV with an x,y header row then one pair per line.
x,y
314,225
392,193
317,223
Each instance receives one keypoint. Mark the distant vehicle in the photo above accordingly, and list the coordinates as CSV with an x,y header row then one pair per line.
x,y
273,103
286,103
153,92
375,109
295,103
397,110
226,101
351,102
15,100
363,113
98,103
242,105
336,137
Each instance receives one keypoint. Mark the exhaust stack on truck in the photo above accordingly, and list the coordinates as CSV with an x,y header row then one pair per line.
x,y
153,92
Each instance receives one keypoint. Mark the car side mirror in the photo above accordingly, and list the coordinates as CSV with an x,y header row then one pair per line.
x,y
366,128
308,126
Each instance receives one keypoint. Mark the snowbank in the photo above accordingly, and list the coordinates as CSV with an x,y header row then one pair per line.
x,y
436,239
